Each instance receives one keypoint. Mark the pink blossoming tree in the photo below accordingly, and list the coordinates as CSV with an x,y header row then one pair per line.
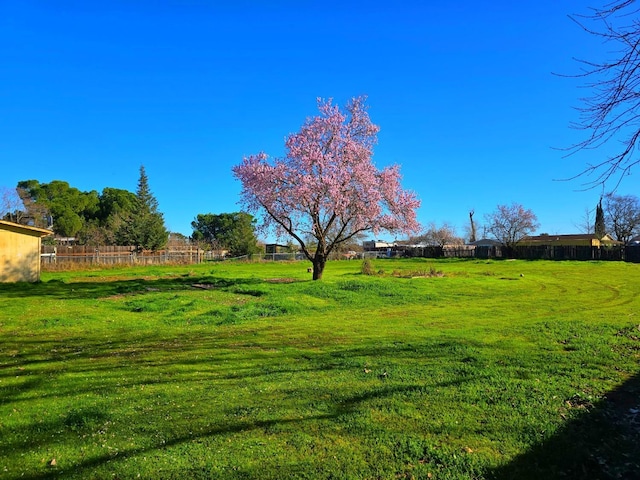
x,y
326,190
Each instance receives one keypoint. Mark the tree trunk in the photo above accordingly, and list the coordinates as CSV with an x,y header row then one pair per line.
x,y
472,228
319,262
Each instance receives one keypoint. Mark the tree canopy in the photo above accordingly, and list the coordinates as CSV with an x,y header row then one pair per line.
x,y
326,189
66,206
113,217
234,232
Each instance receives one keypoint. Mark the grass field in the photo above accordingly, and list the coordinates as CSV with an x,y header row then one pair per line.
x,y
483,369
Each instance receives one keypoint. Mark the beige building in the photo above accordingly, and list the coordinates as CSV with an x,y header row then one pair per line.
x,y
20,252
582,239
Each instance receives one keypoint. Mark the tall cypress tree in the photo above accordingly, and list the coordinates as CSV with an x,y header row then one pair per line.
x,y
145,226
600,228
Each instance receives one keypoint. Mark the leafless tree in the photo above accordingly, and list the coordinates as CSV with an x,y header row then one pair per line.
x,y
472,227
622,215
441,235
612,111
35,213
509,223
586,222
11,206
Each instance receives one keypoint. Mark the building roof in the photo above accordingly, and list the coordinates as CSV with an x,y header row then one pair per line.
x,y
24,229
569,237
634,241
378,244
486,242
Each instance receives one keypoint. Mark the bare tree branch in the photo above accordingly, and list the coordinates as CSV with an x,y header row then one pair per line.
x,y
612,110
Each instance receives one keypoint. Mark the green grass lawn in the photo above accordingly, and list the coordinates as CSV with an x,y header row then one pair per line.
x,y
494,369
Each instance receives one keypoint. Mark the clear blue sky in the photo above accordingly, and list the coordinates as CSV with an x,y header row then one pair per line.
x,y
463,92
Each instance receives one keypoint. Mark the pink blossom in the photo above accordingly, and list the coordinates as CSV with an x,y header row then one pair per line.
x,y
327,188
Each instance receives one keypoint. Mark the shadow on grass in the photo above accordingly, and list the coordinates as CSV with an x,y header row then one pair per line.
x,y
117,367
92,290
603,443
111,363
347,406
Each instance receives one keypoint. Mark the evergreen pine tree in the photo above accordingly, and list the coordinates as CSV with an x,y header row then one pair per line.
x,y
600,228
145,227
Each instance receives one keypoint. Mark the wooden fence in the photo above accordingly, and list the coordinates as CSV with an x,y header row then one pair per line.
x,y
186,254
538,252
53,257
116,255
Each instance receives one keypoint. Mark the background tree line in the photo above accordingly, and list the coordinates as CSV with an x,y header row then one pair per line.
x,y
615,215
119,217
232,232
112,217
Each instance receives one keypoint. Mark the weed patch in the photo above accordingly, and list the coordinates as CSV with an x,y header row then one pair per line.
x,y
367,267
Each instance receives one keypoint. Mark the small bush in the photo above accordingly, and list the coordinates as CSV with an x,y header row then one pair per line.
x,y
431,272
367,267
435,273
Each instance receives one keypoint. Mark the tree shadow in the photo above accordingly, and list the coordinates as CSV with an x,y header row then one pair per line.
x,y
603,443
111,357
343,407
101,289
87,360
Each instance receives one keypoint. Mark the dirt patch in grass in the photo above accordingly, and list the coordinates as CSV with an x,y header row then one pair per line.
x,y
421,273
281,280
118,296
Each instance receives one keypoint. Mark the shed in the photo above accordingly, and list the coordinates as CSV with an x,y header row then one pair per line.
x,y
276,248
20,252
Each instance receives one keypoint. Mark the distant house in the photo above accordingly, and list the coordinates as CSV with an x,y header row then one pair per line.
x,y
486,242
20,252
574,240
377,245
381,248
